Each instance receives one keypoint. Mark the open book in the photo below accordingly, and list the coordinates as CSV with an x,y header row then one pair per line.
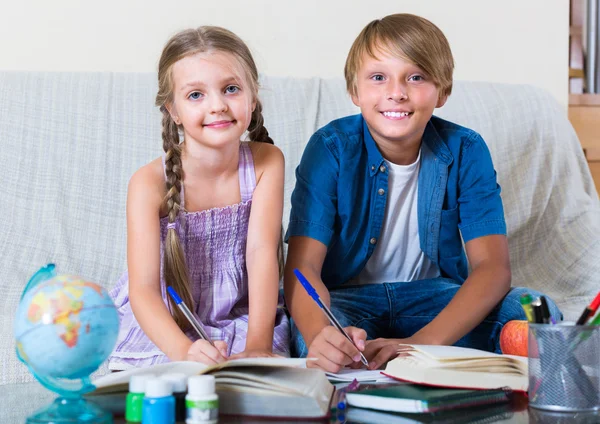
x,y
266,387
458,367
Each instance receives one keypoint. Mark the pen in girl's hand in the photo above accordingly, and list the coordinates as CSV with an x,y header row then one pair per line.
x,y
188,314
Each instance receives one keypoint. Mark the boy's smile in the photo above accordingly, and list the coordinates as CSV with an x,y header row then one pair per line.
x,y
396,99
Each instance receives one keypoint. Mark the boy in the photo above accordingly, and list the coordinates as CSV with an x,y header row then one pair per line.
x,y
380,204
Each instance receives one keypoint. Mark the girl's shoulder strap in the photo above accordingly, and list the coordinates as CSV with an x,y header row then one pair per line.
x,y
246,172
182,205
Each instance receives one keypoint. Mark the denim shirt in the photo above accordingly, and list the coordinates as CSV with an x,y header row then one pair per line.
x,y
341,191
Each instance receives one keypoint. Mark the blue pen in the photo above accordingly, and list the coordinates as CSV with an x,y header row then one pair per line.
x,y
191,318
313,293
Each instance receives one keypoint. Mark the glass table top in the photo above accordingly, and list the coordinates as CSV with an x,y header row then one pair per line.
x,y
18,401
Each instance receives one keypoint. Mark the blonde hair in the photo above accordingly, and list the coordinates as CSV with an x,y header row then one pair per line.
x,y
408,37
185,43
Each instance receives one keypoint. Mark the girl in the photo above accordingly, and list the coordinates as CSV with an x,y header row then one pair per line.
x,y
206,217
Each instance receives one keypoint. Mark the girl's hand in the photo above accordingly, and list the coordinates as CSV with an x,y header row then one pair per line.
x,y
203,351
255,353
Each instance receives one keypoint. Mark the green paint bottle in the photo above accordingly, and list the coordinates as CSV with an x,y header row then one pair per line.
x,y
135,397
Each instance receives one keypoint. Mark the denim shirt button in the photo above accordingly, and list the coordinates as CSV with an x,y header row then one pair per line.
x,y
382,168
372,167
373,240
381,192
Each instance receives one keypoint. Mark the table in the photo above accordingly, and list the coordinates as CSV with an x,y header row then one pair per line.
x,y
17,401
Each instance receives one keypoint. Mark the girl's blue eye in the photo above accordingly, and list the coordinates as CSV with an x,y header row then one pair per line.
x,y
232,89
195,95
416,78
377,77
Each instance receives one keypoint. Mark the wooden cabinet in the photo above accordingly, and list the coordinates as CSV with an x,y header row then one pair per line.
x,y
584,114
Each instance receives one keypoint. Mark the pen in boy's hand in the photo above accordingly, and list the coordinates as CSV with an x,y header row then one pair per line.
x,y
188,314
313,293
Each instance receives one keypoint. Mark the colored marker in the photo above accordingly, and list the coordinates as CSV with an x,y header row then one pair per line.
x,y
313,293
589,311
188,314
537,311
585,336
526,300
546,317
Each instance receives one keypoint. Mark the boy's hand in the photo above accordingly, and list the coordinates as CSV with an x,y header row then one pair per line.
x,y
379,351
203,351
334,351
255,353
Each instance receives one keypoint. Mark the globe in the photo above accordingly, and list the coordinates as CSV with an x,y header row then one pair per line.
x,y
65,328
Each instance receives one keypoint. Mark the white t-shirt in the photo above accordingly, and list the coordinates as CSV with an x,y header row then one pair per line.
x,y
398,256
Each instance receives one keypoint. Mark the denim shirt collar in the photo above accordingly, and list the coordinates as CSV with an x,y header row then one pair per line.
x,y
375,157
430,137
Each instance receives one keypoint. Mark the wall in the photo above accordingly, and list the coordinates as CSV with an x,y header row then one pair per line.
x,y
511,41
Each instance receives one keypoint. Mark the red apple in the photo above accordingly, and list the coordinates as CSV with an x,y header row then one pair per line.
x,y
513,338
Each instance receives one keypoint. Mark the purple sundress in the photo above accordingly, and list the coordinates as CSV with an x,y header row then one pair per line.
x,y
214,243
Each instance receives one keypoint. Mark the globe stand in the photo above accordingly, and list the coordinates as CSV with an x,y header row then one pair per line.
x,y
70,410
65,327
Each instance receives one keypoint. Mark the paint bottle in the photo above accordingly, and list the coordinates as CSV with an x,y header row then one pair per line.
x,y
202,402
159,403
179,382
135,397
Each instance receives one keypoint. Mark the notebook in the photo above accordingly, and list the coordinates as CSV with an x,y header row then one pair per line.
x,y
458,367
478,415
263,387
419,399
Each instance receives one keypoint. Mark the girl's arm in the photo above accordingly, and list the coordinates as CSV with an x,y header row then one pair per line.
x,y
144,199
264,234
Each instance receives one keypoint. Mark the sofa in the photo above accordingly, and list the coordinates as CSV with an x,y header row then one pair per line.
x,y
71,141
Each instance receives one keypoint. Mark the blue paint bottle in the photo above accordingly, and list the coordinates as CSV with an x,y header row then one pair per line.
x,y
159,403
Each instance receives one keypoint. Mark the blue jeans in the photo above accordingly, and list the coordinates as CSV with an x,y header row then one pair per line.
x,y
399,310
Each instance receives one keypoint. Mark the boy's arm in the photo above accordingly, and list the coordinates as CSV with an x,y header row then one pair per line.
x,y
483,228
307,255
310,230
324,342
264,234
485,287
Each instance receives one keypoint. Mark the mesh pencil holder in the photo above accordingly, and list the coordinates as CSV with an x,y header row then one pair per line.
x,y
564,367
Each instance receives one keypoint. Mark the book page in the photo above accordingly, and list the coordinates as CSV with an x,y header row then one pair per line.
x,y
348,374
443,353
122,377
306,382
455,379
451,366
451,354
118,381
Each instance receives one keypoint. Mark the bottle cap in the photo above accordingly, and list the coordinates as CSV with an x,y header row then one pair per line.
x,y
157,388
137,383
178,380
199,385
